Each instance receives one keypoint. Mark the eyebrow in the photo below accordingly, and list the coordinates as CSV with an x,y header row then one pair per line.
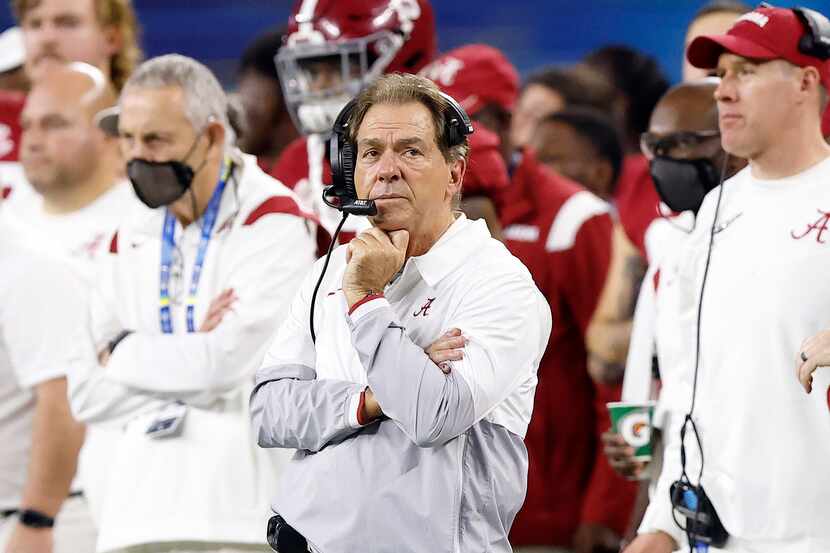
x,y
400,143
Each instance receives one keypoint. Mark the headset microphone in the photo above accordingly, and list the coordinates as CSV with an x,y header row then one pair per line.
x,y
342,194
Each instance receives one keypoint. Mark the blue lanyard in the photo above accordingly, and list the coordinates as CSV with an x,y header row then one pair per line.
x,y
167,245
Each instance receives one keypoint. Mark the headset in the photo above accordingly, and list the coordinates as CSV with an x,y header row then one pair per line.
x,y
816,41
342,193
703,527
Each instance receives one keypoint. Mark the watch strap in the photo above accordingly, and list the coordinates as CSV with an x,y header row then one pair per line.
x,y
36,519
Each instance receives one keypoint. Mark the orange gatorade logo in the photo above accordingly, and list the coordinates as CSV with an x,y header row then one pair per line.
x,y
635,429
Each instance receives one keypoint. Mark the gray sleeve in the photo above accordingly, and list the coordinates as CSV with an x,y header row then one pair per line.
x,y
429,406
290,408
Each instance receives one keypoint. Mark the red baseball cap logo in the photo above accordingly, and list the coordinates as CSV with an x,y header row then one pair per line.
x,y
762,34
475,75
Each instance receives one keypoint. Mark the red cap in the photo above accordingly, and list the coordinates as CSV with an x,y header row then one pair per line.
x,y
475,75
763,34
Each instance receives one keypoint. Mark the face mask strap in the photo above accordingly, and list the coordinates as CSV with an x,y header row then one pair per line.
x,y
192,149
196,170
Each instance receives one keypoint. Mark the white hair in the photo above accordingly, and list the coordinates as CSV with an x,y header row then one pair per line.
x,y
204,98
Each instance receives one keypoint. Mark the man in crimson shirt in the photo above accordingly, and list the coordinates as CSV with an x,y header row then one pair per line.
x,y
562,233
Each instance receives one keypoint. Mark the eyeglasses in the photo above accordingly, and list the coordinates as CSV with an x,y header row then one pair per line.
x,y
677,144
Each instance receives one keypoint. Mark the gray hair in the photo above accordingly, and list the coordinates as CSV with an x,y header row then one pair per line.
x,y
402,88
204,98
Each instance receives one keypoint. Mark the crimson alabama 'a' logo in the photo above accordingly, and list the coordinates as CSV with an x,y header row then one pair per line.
x,y
820,226
424,310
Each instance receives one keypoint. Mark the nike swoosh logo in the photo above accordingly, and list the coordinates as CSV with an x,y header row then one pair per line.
x,y
722,227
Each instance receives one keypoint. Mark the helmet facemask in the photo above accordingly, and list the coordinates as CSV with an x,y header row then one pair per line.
x,y
319,78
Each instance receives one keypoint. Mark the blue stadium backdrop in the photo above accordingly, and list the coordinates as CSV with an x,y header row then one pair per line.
x,y
531,32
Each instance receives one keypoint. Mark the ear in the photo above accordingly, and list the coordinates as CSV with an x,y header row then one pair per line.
x,y
456,173
810,81
215,133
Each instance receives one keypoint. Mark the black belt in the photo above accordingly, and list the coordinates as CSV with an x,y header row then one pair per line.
x,y
9,512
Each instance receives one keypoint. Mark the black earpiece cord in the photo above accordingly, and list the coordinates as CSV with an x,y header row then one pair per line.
x,y
322,274
688,421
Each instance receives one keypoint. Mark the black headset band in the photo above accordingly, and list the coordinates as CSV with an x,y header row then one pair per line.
x,y
816,40
342,152
454,117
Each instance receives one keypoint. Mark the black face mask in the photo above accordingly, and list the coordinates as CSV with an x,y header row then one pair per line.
x,y
683,183
160,183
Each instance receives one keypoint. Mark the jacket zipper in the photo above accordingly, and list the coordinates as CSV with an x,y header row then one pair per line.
x,y
457,529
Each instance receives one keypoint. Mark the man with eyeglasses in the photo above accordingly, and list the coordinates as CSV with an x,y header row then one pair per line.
x,y
685,158
759,243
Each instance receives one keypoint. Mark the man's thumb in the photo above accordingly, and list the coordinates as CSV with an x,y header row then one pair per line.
x,y
400,239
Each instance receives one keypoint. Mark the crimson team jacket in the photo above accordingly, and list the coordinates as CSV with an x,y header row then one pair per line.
x,y
562,233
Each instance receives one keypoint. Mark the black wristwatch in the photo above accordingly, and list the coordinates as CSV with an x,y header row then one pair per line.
x,y
117,340
35,519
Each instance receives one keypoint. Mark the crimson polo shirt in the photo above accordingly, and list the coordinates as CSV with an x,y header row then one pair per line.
x,y
562,233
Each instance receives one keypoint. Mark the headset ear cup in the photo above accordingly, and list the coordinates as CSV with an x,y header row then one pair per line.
x,y
454,137
334,159
815,41
347,168
807,45
457,123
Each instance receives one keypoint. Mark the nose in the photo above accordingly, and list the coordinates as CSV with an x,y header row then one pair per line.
x,y
725,91
132,149
43,38
325,77
31,140
388,169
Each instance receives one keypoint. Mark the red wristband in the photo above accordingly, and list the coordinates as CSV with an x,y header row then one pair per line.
x,y
367,298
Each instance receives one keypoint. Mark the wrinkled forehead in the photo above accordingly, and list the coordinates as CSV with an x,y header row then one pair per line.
x,y
145,109
386,121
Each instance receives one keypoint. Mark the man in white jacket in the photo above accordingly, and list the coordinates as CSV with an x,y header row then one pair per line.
x,y
190,294
395,453
766,444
